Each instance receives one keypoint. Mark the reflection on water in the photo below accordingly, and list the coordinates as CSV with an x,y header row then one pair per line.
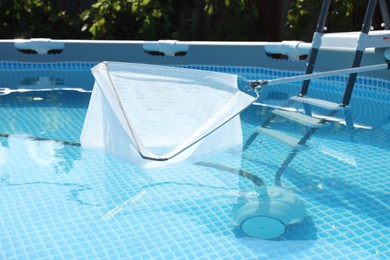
x,y
55,114
42,82
42,153
26,162
46,79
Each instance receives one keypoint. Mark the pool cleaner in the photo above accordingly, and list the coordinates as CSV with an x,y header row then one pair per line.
x,y
266,212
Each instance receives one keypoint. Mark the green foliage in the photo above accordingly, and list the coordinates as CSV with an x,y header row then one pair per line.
x,y
231,19
131,19
237,20
343,16
36,18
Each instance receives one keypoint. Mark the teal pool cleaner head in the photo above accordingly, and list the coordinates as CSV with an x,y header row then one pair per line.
x,y
266,212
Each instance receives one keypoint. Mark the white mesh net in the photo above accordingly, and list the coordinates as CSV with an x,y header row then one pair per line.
x,y
159,113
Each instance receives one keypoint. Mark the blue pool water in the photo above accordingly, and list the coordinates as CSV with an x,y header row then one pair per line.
x,y
56,197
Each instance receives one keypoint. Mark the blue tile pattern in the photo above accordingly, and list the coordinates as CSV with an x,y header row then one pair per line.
x,y
54,196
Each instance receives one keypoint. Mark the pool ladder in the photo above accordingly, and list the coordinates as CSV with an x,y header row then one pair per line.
x,y
298,143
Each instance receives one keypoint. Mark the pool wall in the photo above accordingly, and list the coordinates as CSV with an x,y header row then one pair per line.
x,y
337,52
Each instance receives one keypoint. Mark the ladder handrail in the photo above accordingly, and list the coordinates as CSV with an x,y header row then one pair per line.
x,y
384,13
316,42
359,51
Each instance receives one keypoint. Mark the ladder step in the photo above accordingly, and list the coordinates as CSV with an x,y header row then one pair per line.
x,y
317,102
299,118
288,140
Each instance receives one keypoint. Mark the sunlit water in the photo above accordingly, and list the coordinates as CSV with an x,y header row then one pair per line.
x,y
60,200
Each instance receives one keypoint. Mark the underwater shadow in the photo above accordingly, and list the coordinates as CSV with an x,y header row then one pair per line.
x,y
339,193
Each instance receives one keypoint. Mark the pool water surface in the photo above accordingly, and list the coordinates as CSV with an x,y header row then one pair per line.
x,y
59,200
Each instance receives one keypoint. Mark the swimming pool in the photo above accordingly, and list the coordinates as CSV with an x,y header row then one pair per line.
x,y
59,200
